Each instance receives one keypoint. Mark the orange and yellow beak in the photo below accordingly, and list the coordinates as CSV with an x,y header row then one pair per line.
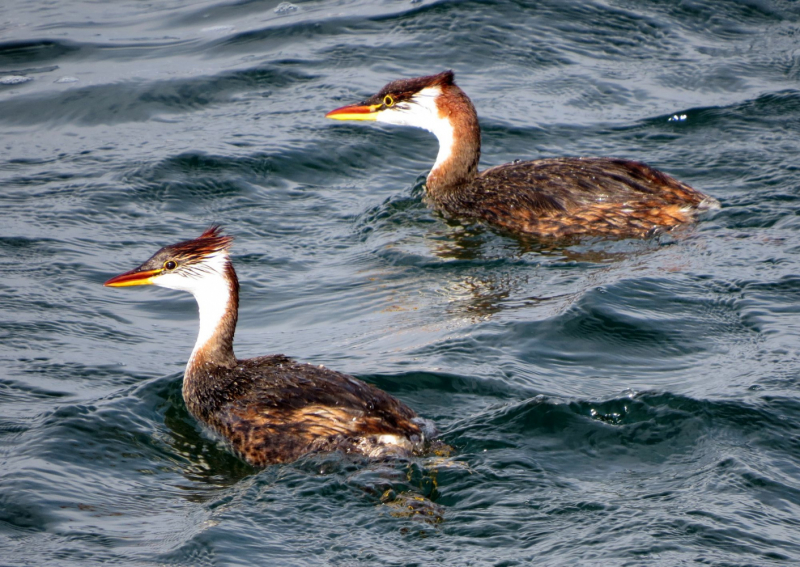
x,y
355,112
134,277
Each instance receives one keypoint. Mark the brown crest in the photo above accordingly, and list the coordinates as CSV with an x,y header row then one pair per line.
x,y
403,89
211,241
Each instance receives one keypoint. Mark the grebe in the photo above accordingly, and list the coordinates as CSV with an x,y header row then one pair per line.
x,y
556,197
271,409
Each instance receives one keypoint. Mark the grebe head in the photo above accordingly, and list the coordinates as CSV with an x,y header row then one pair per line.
x,y
434,103
203,268
407,102
186,266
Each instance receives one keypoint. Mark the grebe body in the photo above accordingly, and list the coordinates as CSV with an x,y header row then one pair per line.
x,y
270,409
545,198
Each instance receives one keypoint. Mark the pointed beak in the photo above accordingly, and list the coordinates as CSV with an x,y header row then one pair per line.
x,y
355,112
134,277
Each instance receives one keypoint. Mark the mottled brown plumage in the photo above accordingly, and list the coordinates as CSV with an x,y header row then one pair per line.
x,y
270,409
564,197
274,410
546,198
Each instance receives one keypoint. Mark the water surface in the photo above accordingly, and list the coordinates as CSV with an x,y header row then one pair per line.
x,y
633,403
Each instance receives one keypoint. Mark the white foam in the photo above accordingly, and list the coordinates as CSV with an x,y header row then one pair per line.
x,y
14,79
213,29
285,8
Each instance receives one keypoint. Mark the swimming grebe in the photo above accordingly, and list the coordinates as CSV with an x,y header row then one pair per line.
x,y
271,409
556,197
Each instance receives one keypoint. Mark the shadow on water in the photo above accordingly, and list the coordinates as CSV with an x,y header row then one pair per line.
x,y
408,487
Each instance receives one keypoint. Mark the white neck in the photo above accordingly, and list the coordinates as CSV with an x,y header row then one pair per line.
x,y
211,289
213,300
423,112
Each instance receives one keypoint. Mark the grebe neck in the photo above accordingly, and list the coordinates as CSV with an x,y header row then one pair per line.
x,y
217,295
447,112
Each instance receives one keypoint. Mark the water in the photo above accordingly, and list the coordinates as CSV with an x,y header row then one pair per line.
x,y
628,403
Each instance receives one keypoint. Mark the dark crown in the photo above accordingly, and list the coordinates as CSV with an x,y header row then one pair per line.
x,y
403,89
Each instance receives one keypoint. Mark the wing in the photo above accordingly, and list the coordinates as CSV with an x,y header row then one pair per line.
x,y
290,409
572,196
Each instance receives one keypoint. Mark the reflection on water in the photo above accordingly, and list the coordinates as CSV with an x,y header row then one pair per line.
x,y
485,290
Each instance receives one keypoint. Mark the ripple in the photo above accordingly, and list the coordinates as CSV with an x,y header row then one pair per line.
x,y
632,402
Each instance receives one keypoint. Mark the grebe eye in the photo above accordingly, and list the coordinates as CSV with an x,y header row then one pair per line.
x,y
388,100
170,265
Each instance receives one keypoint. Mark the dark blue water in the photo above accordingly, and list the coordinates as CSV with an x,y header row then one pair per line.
x,y
619,403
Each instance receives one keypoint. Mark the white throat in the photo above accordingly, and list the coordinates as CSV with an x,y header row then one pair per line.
x,y
211,289
423,112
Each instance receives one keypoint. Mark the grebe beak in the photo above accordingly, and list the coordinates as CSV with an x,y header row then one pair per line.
x,y
134,277
355,112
